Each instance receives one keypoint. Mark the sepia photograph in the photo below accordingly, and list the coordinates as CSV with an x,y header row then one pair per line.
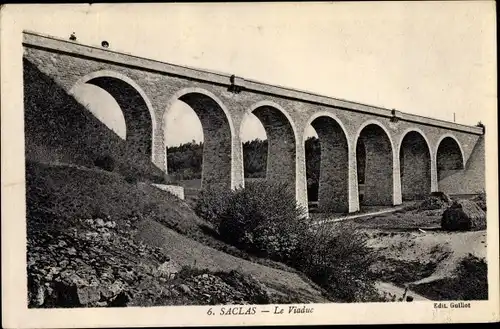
x,y
246,163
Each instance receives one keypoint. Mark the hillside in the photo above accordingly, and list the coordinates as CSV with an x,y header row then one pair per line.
x,y
95,239
58,129
100,238
109,238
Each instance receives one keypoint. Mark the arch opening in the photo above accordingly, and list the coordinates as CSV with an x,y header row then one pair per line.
x,y
216,146
281,145
184,146
103,106
313,170
254,140
415,167
332,179
136,114
449,158
374,157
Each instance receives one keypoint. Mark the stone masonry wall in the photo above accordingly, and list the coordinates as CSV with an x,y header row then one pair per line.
x,y
281,155
415,167
471,179
161,90
58,129
378,166
217,140
334,171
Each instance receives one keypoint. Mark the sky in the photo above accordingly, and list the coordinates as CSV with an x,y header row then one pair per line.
x,y
435,59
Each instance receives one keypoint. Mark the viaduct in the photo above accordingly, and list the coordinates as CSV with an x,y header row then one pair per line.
x,y
404,155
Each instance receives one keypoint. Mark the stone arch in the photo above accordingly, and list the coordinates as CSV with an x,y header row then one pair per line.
x,y
333,187
449,156
378,176
140,119
282,164
415,164
218,135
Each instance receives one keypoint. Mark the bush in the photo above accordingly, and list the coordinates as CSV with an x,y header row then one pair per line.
x,y
105,162
472,277
463,215
480,200
470,282
131,179
264,219
436,200
338,261
62,194
212,203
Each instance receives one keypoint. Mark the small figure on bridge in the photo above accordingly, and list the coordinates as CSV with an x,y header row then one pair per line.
x,y
72,37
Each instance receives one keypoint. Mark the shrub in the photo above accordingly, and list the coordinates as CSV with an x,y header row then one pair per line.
x,y
212,202
264,219
436,200
131,179
469,282
105,162
338,261
62,194
480,200
472,276
463,215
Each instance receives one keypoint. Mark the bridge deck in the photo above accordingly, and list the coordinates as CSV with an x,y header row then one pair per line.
x,y
37,40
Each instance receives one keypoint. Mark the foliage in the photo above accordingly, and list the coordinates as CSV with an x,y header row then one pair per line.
x,y
338,261
185,161
480,200
264,219
463,215
59,129
313,162
469,283
436,200
105,162
255,158
59,194
472,274
212,202
401,272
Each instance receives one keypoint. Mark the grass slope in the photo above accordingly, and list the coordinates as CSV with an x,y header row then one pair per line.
x,y
60,199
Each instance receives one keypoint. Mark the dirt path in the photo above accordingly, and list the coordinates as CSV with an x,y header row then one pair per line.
x,y
447,249
346,217
185,251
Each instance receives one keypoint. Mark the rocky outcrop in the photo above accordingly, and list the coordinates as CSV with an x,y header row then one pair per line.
x,y
228,288
94,264
99,264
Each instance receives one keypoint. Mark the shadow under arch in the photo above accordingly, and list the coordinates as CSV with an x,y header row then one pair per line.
x,y
218,134
375,154
140,119
415,164
333,182
281,140
449,155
